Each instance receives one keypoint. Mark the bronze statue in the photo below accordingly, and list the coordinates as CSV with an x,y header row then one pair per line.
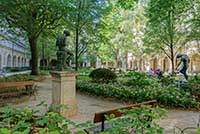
x,y
184,59
62,52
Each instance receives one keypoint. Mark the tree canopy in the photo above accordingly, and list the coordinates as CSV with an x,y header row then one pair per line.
x,y
103,29
32,18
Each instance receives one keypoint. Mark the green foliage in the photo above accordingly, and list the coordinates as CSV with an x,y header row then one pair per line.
x,y
163,31
83,19
172,96
15,78
25,120
128,4
122,32
16,120
141,80
84,71
138,121
168,95
102,75
54,122
16,69
44,72
193,85
195,22
198,131
31,18
167,80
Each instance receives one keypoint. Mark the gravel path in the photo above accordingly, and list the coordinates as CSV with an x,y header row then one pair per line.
x,y
88,105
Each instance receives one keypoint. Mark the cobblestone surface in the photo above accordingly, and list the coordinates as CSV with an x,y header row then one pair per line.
x,y
88,105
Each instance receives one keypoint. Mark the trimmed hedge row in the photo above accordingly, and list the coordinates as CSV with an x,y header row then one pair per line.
x,y
16,69
168,96
15,78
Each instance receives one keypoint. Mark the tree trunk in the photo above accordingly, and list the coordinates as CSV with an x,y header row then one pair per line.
x,y
34,55
76,51
171,32
172,57
77,33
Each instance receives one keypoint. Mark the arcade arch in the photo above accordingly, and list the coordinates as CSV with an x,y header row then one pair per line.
x,y
166,65
155,64
9,61
22,62
14,61
1,62
19,61
195,63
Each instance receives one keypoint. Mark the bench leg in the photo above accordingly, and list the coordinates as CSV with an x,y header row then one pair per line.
x,y
102,125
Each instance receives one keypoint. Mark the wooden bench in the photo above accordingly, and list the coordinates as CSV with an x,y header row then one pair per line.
x,y
29,89
100,117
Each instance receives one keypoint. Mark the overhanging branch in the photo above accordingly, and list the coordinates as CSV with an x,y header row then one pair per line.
x,y
165,52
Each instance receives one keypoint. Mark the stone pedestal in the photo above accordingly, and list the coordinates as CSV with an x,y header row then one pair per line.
x,y
64,92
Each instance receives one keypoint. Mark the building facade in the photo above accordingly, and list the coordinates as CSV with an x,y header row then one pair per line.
x,y
13,53
158,61
162,62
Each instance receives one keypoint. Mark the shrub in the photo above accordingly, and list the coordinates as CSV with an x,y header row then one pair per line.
x,y
167,80
142,82
16,69
84,71
138,121
44,72
102,75
131,74
139,80
26,121
15,78
193,85
168,96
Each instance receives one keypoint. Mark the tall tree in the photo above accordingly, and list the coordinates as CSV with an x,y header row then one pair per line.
x,y
166,29
32,17
195,24
82,19
123,32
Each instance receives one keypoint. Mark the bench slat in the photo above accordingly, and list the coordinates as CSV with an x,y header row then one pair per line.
x,y
15,84
100,117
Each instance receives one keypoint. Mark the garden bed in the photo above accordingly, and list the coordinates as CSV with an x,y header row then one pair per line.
x,y
25,121
138,87
168,96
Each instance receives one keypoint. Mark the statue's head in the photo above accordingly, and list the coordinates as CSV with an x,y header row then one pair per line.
x,y
67,33
179,55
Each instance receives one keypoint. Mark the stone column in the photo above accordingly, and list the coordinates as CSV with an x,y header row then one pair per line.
x,y
64,92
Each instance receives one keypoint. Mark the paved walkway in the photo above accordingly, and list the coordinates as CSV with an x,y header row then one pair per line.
x,y
88,105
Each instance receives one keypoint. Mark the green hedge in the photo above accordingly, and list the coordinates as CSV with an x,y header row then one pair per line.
x,y
15,78
168,96
102,75
16,69
193,85
84,71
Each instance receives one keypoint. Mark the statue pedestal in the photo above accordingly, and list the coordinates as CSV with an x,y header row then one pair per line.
x,y
64,92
